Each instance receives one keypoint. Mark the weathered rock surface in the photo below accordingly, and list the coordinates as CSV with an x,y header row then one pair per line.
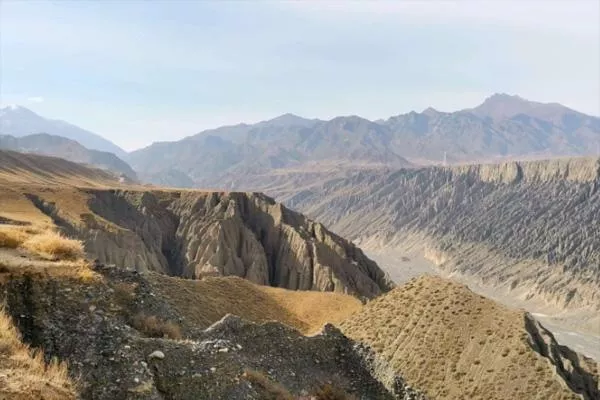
x,y
531,226
89,325
195,234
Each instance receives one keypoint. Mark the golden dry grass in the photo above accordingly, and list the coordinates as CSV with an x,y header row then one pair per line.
x,y
41,241
455,344
23,372
207,301
12,237
54,246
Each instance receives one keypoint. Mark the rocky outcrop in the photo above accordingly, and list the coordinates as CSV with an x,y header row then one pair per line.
x,y
573,368
530,226
88,324
196,234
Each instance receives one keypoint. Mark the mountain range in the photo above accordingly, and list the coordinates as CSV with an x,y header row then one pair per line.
x,y
289,151
252,156
19,121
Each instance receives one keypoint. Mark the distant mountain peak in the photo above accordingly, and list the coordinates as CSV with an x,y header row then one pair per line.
x,y
503,106
287,118
504,96
430,112
19,121
14,108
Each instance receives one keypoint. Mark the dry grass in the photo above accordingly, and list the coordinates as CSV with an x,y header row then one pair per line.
x,y
152,326
42,241
54,246
204,302
455,344
23,372
12,236
270,389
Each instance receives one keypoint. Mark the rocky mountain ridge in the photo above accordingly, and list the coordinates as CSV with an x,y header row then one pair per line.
x,y
249,157
196,234
524,226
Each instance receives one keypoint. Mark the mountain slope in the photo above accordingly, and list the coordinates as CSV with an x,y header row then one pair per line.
x,y
528,228
229,155
22,168
19,121
126,335
68,149
454,344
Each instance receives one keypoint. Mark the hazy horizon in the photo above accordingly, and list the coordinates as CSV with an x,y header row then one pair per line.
x,y
139,72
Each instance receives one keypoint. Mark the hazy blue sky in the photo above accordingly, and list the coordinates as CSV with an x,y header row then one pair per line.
x,y
137,72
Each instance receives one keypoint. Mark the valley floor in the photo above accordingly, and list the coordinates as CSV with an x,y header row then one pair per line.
x,y
405,265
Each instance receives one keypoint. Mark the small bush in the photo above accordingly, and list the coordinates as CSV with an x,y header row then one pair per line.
x,y
151,326
330,392
272,390
54,246
124,293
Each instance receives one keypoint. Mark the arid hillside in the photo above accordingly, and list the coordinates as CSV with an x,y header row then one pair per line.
x,y
121,334
531,227
185,233
58,146
455,344
132,324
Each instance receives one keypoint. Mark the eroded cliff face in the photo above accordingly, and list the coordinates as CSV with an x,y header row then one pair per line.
x,y
527,226
195,234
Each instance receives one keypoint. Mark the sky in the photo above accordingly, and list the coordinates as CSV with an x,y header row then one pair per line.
x,y
137,72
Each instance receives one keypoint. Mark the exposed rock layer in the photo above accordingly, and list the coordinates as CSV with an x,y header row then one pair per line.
x,y
195,234
530,225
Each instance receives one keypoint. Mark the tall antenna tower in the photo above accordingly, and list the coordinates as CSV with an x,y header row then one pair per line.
x,y
445,160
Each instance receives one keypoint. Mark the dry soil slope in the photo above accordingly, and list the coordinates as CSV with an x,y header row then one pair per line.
x,y
455,344
184,233
22,168
521,225
57,146
204,302
106,327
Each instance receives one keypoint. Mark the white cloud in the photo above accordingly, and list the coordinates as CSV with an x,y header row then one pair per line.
x,y
35,99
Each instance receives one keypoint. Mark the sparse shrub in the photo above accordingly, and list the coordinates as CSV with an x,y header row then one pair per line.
x,y
272,390
152,326
330,392
54,246
124,293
